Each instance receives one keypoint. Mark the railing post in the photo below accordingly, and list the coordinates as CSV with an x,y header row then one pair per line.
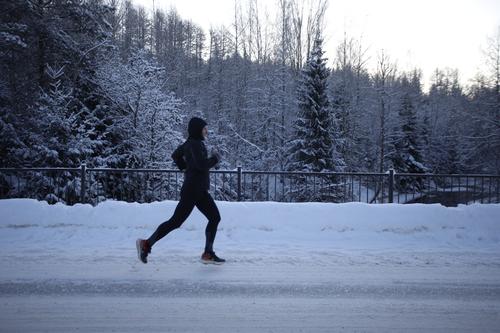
x,y
391,185
83,171
239,183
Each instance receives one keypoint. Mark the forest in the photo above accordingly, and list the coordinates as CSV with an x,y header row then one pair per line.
x,y
112,84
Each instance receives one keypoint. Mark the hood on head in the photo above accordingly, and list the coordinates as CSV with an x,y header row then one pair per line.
x,y
195,127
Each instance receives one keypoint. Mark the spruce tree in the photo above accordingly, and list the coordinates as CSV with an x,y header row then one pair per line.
x,y
407,156
313,148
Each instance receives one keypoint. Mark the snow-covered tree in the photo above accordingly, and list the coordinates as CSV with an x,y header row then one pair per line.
x,y
144,128
312,148
482,145
349,86
383,111
445,123
407,151
146,116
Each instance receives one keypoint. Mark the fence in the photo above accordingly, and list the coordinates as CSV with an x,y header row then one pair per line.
x,y
93,185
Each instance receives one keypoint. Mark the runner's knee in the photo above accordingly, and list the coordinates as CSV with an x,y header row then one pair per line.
x,y
215,219
176,224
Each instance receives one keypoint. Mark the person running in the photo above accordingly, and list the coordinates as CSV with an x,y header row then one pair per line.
x,y
191,156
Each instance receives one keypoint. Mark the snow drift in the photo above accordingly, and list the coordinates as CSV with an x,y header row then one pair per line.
x,y
250,225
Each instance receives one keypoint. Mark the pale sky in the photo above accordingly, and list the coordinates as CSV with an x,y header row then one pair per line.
x,y
427,34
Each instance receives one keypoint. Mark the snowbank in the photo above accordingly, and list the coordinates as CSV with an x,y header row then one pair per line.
x,y
256,225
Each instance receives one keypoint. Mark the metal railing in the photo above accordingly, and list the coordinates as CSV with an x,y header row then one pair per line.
x,y
448,189
94,185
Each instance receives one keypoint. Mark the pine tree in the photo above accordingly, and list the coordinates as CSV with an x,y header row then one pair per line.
x,y
313,148
407,156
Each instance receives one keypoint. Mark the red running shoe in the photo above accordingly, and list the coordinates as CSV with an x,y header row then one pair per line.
x,y
143,249
211,258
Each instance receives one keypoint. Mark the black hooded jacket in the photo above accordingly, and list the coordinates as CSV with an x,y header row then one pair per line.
x,y
192,157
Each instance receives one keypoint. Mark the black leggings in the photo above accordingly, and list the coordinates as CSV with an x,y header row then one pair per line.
x,y
189,199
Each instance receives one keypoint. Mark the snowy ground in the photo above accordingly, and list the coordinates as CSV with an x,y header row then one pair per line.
x,y
290,268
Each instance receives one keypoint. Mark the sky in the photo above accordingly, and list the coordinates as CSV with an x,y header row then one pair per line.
x,y
426,34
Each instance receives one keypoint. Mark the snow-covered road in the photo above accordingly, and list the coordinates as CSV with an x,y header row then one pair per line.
x,y
397,293
234,314
354,292
351,268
